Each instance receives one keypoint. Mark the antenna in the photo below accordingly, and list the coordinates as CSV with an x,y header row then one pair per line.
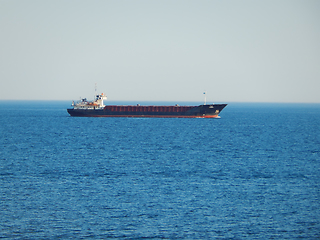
x,y
95,91
205,97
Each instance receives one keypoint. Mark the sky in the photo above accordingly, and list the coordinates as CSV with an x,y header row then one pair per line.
x,y
161,50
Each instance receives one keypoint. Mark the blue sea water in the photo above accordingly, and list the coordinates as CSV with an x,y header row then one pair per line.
x,y
252,174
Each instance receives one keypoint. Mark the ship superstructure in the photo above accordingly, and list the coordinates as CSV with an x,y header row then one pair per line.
x,y
84,104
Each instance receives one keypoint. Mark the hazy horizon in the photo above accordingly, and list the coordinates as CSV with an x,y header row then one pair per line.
x,y
236,51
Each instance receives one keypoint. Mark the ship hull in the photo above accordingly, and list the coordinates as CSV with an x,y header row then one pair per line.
x,y
201,111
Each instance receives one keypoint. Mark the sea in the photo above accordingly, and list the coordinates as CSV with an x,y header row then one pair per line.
x,y
254,173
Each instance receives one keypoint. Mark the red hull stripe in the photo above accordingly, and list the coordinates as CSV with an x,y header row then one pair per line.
x,y
151,116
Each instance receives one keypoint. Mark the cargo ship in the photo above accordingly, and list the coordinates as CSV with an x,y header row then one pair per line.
x,y
97,108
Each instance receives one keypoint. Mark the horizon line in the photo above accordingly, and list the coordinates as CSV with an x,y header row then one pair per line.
x,y
64,100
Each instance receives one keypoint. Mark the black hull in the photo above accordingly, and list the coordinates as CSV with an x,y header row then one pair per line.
x,y
202,111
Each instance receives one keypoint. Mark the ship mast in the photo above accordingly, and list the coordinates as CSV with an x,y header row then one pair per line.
x,y
95,91
205,97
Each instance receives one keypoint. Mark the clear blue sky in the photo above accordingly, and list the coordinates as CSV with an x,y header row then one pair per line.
x,y
158,50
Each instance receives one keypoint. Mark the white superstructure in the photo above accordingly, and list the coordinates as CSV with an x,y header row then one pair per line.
x,y
96,104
